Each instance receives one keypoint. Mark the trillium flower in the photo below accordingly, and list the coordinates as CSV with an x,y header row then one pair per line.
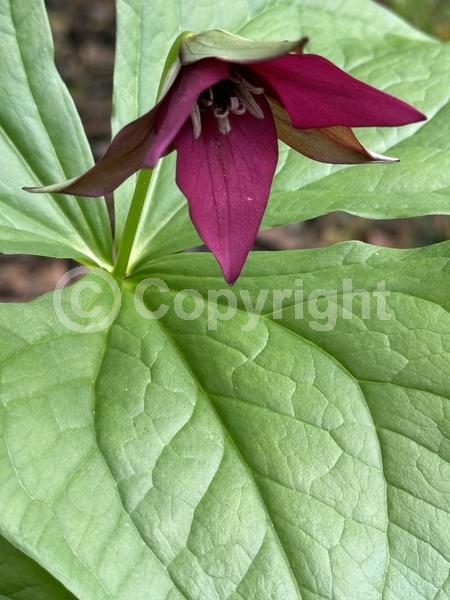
x,y
225,102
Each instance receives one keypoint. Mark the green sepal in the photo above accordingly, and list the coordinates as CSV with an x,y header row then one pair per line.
x,y
234,48
172,65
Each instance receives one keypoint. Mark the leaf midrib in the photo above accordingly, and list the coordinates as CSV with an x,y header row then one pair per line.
x,y
238,452
227,433
235,447
247,466
101,362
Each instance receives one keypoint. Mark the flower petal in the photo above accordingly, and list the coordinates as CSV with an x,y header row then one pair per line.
x,y
141,143
124,156
180,101
335,145
227,180
316,93
233,48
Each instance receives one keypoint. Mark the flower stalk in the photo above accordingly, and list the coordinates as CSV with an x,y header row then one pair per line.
x,y
144,176
131,225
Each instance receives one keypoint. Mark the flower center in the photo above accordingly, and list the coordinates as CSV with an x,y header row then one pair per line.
x,y
229,96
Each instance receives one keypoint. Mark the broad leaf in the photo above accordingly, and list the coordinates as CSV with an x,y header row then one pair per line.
x,y
363,38
20,577
286,460
41,142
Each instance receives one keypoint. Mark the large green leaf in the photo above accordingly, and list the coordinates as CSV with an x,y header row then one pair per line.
x,y
360,36
175,459
430,15
21,578
42,141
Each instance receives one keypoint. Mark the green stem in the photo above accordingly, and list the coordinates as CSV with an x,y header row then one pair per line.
x,y
143,180
132,222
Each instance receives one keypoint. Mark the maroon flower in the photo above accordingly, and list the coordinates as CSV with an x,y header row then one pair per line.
x,y
225,103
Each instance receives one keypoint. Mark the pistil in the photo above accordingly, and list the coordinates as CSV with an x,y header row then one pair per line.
x,y
231,96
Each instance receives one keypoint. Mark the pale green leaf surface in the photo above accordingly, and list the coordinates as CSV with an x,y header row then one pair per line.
x,y
359,36
284,462
60,503
22,579
42,142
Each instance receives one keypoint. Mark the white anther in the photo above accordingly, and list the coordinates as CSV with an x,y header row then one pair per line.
x,y
207,102
224,126
234,102
237,78
196,121
249,102
253,88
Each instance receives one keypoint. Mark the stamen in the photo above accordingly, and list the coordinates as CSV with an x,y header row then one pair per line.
x,y
237,78
253,88
196,121
224,126
234,103
223,123
207,102
249,102
232,96
221,112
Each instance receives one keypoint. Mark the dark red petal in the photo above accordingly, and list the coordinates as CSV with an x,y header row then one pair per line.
x,y
180,101
316,93
142,142
124,156
227,180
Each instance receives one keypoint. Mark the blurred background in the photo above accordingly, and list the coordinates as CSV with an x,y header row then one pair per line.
x,y
84,33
